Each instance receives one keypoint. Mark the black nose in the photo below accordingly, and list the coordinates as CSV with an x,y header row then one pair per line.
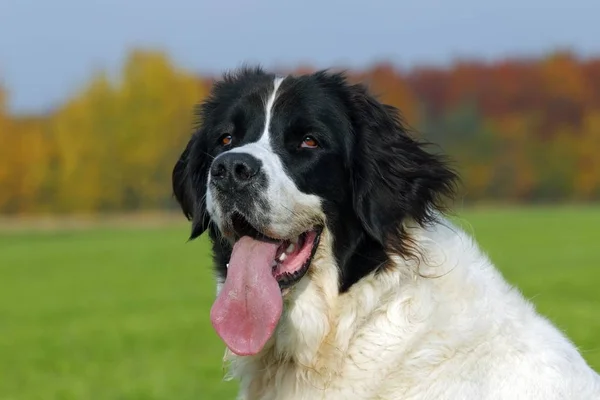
x,y
233,171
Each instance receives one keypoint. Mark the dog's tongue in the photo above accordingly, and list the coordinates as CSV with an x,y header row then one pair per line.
x,y
249,305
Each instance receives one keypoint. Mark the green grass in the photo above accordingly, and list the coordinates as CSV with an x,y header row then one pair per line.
x,y
123,313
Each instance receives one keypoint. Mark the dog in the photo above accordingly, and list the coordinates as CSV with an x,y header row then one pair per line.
x,y
338,272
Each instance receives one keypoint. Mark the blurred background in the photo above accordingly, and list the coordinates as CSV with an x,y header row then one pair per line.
x,y
101,297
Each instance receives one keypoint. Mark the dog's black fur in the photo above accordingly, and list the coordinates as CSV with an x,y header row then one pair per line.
x,y
368,171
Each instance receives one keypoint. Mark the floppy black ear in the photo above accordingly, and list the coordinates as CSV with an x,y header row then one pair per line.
x,y
189,184
180,182
393,177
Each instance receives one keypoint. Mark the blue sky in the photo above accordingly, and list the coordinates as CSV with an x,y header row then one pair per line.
x,y
48,48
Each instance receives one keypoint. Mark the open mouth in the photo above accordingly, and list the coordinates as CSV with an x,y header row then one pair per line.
x,y
250,302
293,255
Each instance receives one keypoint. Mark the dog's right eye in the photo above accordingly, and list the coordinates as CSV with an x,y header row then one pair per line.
x,y
225,140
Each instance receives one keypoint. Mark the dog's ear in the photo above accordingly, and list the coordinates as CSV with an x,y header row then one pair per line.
x,y
181,184
393,177
189,180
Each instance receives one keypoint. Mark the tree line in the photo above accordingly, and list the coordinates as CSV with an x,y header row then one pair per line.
x,y
519,130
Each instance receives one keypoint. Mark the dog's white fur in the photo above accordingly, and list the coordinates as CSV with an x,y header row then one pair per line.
x,y
443,326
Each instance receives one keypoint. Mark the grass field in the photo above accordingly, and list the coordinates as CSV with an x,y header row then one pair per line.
x,y
117,314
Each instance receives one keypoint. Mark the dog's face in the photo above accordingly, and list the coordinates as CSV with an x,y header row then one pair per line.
x,y
279,163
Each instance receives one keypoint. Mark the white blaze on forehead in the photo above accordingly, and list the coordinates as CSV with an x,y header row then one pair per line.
x,y
269,111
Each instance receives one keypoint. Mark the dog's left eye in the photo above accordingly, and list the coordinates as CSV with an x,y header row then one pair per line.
x,y
309,142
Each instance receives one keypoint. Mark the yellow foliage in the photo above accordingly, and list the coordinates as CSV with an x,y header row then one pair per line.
x,y
587,182
117,142
563,78
528,131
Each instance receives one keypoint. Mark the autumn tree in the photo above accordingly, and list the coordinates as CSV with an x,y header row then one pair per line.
x,y
518,130
117,141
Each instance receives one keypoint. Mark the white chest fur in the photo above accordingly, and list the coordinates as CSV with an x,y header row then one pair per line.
x,y
447,327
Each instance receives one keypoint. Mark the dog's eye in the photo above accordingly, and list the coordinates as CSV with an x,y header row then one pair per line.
x,y
309,142
225,140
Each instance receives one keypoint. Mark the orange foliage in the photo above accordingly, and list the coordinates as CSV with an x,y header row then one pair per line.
x,y
519,130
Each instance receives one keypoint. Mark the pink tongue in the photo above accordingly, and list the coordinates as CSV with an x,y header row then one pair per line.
x,y
249,305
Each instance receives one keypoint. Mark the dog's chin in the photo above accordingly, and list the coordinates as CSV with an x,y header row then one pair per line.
x,y
294,254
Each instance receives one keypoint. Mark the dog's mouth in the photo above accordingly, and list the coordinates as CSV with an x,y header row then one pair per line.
x,y
294,255
249,305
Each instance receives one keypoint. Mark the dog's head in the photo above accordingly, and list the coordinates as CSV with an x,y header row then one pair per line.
x,y
304,183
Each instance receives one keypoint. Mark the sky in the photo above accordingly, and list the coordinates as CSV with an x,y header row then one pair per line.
x,y
49,48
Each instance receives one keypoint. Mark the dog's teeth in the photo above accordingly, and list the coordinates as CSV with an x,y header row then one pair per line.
x,y
227,265
290,248
282,257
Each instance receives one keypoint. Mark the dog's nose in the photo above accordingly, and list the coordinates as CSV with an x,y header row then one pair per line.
x,y
233,171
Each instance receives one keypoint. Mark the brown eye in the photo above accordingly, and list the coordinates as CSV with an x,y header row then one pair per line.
x,y
225,140
309,142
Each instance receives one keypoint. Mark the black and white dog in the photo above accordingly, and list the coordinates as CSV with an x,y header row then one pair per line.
x,y
338,277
